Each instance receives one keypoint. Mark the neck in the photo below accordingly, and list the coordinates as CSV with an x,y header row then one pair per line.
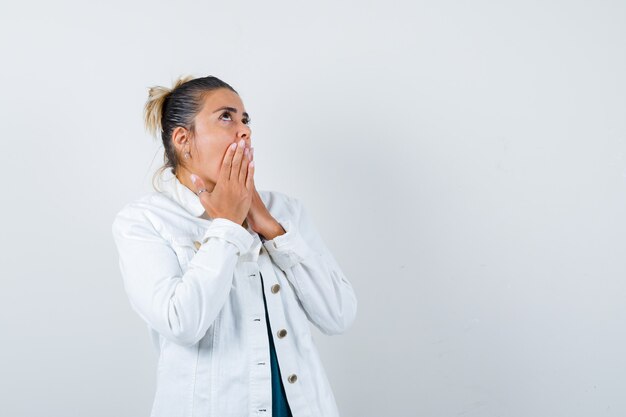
x,y
183,176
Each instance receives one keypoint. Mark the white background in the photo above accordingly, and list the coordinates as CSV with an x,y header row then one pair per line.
x,y
464,161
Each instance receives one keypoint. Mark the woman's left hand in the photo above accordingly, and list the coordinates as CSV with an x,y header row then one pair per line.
x,y
259,217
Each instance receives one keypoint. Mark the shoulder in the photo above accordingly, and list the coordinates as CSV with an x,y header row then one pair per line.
x,y
279,202
138,205
142,210
284,207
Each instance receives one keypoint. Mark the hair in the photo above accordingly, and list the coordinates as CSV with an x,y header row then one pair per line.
x,y
168,108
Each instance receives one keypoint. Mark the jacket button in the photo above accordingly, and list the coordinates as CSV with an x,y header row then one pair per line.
x,y
292,378
282,333
275,288
197,244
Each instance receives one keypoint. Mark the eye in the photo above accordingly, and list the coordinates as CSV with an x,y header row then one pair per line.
x,y
226,113
246,121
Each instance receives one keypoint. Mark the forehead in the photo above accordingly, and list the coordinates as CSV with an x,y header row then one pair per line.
x,y
220,98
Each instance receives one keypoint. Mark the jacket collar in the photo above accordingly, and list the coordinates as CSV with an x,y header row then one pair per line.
x,y
169,185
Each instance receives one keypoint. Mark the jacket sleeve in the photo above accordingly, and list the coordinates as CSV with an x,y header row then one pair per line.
x,y
181,307
325,293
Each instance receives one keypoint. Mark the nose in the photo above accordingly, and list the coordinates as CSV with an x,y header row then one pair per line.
x,y
245,133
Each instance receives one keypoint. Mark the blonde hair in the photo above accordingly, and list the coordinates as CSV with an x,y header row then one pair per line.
x,y
168,108
153,108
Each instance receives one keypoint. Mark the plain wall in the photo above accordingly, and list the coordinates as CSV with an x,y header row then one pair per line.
x,y
464,161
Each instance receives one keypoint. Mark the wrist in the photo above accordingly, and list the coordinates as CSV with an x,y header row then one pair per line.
x,y
274,230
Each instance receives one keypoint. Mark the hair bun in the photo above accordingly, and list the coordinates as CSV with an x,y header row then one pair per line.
x,y
153,109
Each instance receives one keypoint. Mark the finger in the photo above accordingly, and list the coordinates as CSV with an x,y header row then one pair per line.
x,y
244,167
198,184
224,174
236,166
250,177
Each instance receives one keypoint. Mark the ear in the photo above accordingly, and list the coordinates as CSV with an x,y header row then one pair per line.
x,y
180,137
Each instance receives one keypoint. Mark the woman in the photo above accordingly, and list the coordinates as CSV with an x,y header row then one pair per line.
x,y
227,277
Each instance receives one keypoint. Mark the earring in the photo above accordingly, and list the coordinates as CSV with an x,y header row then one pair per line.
x,y
187,155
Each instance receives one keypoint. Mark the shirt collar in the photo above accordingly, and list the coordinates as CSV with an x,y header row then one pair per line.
x,y
169,185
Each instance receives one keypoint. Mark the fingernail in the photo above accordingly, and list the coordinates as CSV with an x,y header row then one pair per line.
x,y
234,145
242,142
193,178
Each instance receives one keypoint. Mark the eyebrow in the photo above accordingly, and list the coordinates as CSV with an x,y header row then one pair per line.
x,y
232,109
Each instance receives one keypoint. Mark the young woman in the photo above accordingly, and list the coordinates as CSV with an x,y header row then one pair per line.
x,y
227,277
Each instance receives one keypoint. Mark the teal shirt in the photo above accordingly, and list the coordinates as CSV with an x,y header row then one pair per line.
x,y
280,407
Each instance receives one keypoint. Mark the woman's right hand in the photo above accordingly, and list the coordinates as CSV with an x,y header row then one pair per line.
x,y
232,195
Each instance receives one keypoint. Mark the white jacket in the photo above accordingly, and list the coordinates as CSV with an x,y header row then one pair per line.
x,y
195,282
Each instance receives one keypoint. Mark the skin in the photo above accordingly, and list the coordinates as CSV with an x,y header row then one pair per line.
x,y
215,132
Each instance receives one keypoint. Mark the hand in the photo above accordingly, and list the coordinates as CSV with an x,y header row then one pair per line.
x,y
258,212
232,195
259,217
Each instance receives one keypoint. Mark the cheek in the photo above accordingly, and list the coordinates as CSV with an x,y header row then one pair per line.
x,y
215,160
216,165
